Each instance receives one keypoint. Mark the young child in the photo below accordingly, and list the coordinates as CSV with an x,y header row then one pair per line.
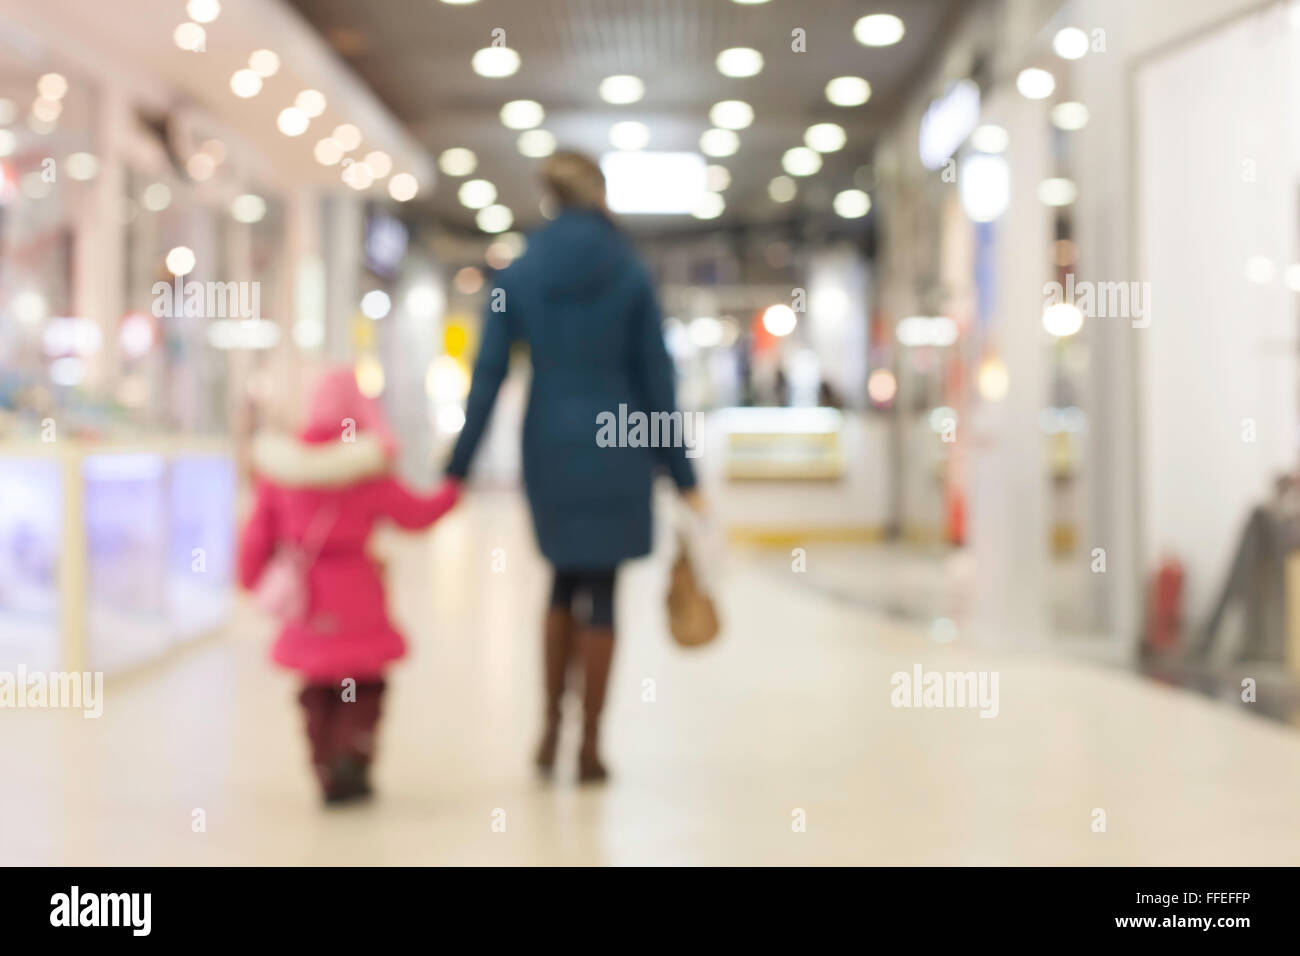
x,y
323,491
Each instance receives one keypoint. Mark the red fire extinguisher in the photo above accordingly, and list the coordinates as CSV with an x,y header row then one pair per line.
x,y
1166,605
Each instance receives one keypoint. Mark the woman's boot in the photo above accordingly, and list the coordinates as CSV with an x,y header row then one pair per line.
x,y
597,648
557,649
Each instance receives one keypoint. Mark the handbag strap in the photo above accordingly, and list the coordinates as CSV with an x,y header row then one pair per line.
x,y
313,540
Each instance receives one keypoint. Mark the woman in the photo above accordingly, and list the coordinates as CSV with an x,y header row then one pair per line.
x,y
585,306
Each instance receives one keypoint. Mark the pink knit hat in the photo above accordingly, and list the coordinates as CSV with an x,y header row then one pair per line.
x,y
336,401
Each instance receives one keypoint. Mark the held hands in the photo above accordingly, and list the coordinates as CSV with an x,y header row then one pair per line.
x,y
695,501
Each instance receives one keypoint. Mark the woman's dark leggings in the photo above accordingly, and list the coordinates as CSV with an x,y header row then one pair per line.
x,y
593,589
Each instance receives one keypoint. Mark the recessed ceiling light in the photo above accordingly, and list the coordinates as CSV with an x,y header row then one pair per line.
x,y
328,151
200,166
245,83
457,161
717,178
621,89
358,176
782,189
848,91
311,102
1035,84
801,161
522,114
180,261
156,197
740,61
879,29
248,208
629,134
731,114
379,163
264,63
989,138
825,137
8,142
1069,116
495,61
477,193
495,219
536,143
8,111
82,166
203,11
403,187
190,37
710,207
719,142
1057,192
52,86
1070,43
292,121
852,204
47,111
347,136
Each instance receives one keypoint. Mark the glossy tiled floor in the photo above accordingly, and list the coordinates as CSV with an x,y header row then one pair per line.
x,y
790,712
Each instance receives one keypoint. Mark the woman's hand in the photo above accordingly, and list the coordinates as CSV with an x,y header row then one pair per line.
x,y
695,501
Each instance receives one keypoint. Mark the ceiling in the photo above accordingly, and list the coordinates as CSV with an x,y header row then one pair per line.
x,y
415,55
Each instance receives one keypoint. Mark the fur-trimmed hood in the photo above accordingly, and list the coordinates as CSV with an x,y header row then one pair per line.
x,y
294,463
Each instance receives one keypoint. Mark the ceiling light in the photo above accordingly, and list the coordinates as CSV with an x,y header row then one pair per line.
x,y
190,37
989,139
848,91
825,137
52,86
248,208
522,114
81,166
264,63
358,176
653,183
780,320
705,332
375,304
379,163
782,189
879,29
311,102
1062,319
536,143
629,135
852,204
203,11
621,89
1070,43
8,111
180,261
8,142
200,166
328,151
984,182
495,61
245,83
740,61
495,219
717,178
29,307
731,114
1069,116
403,187
457,161
1035,84
156,197
47,111
710,206
719,142
1057,192
477,193
347,136
801,161
292,121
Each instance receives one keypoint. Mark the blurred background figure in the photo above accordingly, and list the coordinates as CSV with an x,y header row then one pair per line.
x,y
584,305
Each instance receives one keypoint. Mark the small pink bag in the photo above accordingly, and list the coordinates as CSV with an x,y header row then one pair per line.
x,y
283,590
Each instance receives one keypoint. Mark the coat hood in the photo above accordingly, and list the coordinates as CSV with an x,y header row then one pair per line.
x,y
294,463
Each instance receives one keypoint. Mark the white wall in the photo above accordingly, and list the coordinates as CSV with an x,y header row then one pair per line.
x,y
1216,185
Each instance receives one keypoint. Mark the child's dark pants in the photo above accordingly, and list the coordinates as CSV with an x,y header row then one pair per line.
x,y
340,729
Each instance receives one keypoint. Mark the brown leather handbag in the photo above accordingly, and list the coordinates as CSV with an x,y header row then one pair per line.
x,y
692,618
